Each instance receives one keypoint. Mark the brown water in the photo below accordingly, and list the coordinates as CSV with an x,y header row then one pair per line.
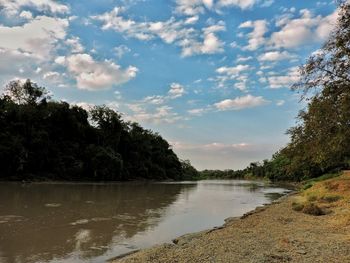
x,y
94,222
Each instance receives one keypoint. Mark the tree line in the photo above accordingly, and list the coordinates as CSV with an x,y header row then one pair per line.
x,y
43,139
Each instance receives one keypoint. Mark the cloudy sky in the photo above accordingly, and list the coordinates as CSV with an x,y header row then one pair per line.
x,y
211,76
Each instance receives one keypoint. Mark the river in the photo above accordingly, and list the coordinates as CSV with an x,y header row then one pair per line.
x,y
93,222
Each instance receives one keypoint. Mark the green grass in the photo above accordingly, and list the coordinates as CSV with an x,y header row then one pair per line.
x,y
309,183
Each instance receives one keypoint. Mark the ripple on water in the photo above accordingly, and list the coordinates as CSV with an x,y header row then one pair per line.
x,y
99,219
10,218
80,222
53,205
124,217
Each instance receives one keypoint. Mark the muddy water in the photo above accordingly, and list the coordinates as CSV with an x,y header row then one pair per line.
x,y
94,222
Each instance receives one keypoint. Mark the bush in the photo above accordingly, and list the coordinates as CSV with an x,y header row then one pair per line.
x,y
297,206
331,198
312,198
312,209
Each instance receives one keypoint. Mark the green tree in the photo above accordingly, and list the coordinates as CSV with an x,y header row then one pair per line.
x,y
42,139
26,93
321,140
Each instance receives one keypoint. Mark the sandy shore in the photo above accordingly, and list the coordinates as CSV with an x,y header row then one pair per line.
x,y
274,233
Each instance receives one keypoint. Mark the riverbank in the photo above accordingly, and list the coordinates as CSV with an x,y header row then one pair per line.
x,y
274,233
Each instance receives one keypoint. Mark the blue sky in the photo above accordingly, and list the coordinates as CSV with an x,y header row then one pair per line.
x,y
211,76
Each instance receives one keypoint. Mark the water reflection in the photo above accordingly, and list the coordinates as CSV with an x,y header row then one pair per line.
x,y
91,222
42,222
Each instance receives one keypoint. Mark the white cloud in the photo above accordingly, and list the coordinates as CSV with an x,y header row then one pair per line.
x,y
233,71
215,27
153,109
9,69
243,4
208,3
74,43
257,36
276,56
27,48
51,75
26,15
12,7
242,86
121,50
191,20
172,31
196,7
96,75
234,44
37,37
237,73
306,29
243,59
161,114
281,81
198,111
211,43
155,99
214,146
240,103
280,103
176,90
168,31
191,7
267,3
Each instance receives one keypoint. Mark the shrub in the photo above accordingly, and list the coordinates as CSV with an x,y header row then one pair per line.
x,y
312,209
312,198
297,206
331,198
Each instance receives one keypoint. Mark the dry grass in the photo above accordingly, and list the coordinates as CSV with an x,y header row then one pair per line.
x,y
331,196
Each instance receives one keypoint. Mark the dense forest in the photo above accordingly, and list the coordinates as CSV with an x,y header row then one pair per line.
x,y
43,139
320,142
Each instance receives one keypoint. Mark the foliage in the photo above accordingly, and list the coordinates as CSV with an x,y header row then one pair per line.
x,y
218,174
321,141
42,139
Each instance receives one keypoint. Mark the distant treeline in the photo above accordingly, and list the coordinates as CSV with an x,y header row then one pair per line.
x,y
42,139
223,174
320,142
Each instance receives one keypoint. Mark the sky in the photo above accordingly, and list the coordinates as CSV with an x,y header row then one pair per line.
x,y
212,77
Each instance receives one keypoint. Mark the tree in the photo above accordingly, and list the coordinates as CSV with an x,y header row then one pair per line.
x,y
42,139
328,69
26,93
321,140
